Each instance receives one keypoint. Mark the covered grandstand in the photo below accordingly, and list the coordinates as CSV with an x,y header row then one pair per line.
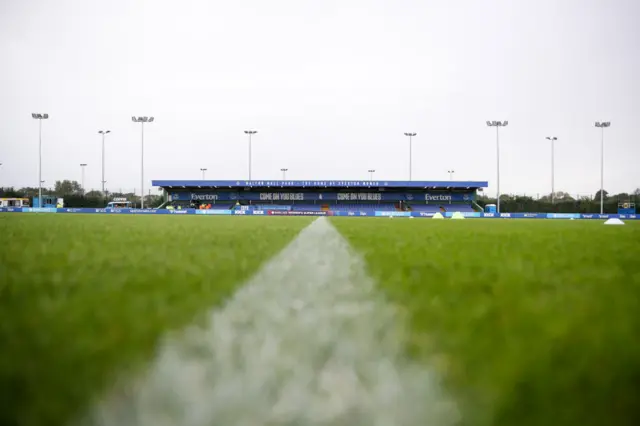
x,y
332,196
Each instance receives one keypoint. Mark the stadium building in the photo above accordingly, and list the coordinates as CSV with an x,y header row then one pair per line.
x,y
291,197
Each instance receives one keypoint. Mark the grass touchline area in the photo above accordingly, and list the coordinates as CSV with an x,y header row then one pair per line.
x,y
82,297
531,322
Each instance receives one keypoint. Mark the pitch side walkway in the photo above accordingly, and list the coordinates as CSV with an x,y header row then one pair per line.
x,y
307,341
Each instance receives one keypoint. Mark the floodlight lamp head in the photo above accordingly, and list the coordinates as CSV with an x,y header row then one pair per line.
x,y
34,115
505,123
488,123
150,119
108,131
133,119
606,124
45,116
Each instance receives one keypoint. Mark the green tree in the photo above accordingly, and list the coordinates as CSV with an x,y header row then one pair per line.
x,y
67,187
597,196
93,194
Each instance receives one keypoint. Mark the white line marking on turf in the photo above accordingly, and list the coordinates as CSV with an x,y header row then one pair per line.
x,y
307,341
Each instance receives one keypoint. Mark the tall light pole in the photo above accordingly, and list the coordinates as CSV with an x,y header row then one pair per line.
x,y
553,187
411,135
451,172
250,133
82,166
371,172
284,173
497,125
142,120
103,133
203,170
602,126
40,117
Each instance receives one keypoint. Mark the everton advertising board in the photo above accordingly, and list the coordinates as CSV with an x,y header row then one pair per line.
x,y
267,197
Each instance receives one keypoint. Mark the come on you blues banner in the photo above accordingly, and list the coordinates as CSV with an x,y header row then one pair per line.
x,y
444,197
354,213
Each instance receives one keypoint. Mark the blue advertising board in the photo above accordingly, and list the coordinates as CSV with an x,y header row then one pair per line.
x,y
394,214
563,216
464,214
354,213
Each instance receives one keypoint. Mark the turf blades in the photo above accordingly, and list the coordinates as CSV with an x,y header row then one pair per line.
x,y
307,341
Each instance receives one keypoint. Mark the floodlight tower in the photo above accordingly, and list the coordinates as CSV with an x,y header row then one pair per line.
x,y
40,117
497,125
553,190
82,166
411,135
284,173
142,120
250,133
203,170
371,172
451,172
602,125
103,133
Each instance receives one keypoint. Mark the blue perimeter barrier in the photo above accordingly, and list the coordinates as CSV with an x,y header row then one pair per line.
x,y
319,213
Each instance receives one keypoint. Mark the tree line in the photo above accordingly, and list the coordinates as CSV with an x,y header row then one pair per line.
x,y
74,196
561,202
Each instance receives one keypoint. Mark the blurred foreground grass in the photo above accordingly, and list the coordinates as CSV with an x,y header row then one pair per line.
x,y
82,297
531,322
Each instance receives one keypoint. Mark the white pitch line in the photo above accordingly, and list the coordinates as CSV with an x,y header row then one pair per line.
x,y
307,341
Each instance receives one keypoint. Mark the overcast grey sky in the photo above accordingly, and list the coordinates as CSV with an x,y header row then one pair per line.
x,y
331,86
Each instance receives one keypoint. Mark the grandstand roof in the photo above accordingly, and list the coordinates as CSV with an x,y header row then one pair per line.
x,y
318,184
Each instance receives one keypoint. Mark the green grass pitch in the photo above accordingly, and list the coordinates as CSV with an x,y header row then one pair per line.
x,y
533,322
530,322
82,296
